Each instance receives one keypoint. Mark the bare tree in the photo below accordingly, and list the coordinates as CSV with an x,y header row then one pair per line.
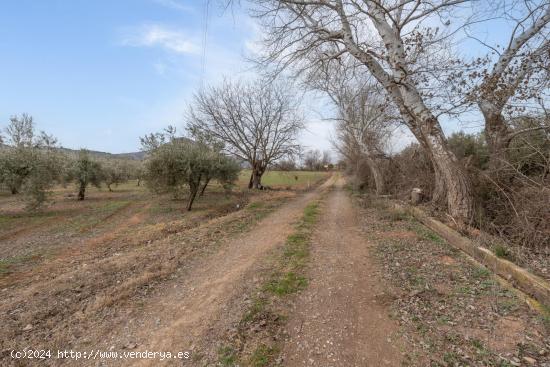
x,y
256,122
326,158
312,160
518,70
385,37
364,126
364,117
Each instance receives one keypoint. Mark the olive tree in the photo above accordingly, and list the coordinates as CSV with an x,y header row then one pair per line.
x,y
16,160
254,121
14,168
85,171
115,172
180,164
30,164
136,171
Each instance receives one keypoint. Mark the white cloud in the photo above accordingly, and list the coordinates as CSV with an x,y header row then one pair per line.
x,y
155,35
317,135
174,4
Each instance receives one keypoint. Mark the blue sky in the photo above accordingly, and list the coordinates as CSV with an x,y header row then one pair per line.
x,y
99,74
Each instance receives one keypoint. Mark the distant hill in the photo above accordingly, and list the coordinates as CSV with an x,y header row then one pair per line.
x,y
138,156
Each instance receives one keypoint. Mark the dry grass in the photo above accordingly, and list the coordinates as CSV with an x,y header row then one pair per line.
x,y
125,250
451,311
66,222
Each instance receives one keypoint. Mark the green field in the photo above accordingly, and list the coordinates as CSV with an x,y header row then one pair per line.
x,y
284,179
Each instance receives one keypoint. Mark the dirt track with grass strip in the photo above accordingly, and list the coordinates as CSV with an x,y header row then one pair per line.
x,y
324,279
153,289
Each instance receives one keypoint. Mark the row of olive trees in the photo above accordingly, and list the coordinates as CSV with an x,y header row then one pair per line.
x,y
31,165
85,170
253,122
407,49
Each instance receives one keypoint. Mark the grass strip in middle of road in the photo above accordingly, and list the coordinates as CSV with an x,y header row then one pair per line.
x,y
259,330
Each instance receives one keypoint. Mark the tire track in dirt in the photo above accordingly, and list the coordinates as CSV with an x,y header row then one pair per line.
x,y
82,306
185,315
341,319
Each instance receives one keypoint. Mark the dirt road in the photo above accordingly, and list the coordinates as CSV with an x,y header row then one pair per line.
x,y
191,304
338,321
189,289
341,319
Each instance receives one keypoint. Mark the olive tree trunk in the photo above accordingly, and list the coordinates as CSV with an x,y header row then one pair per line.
x,y
193,190
81,191
204,186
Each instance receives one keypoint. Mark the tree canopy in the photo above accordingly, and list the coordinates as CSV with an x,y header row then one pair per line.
x,y
254,121
181,165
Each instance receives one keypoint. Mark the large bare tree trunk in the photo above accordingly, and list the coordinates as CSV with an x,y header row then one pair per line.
x,y
375,171
258,169
377,175
449,172
460,202
452,184
439,194
505,79
496,135
256,179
